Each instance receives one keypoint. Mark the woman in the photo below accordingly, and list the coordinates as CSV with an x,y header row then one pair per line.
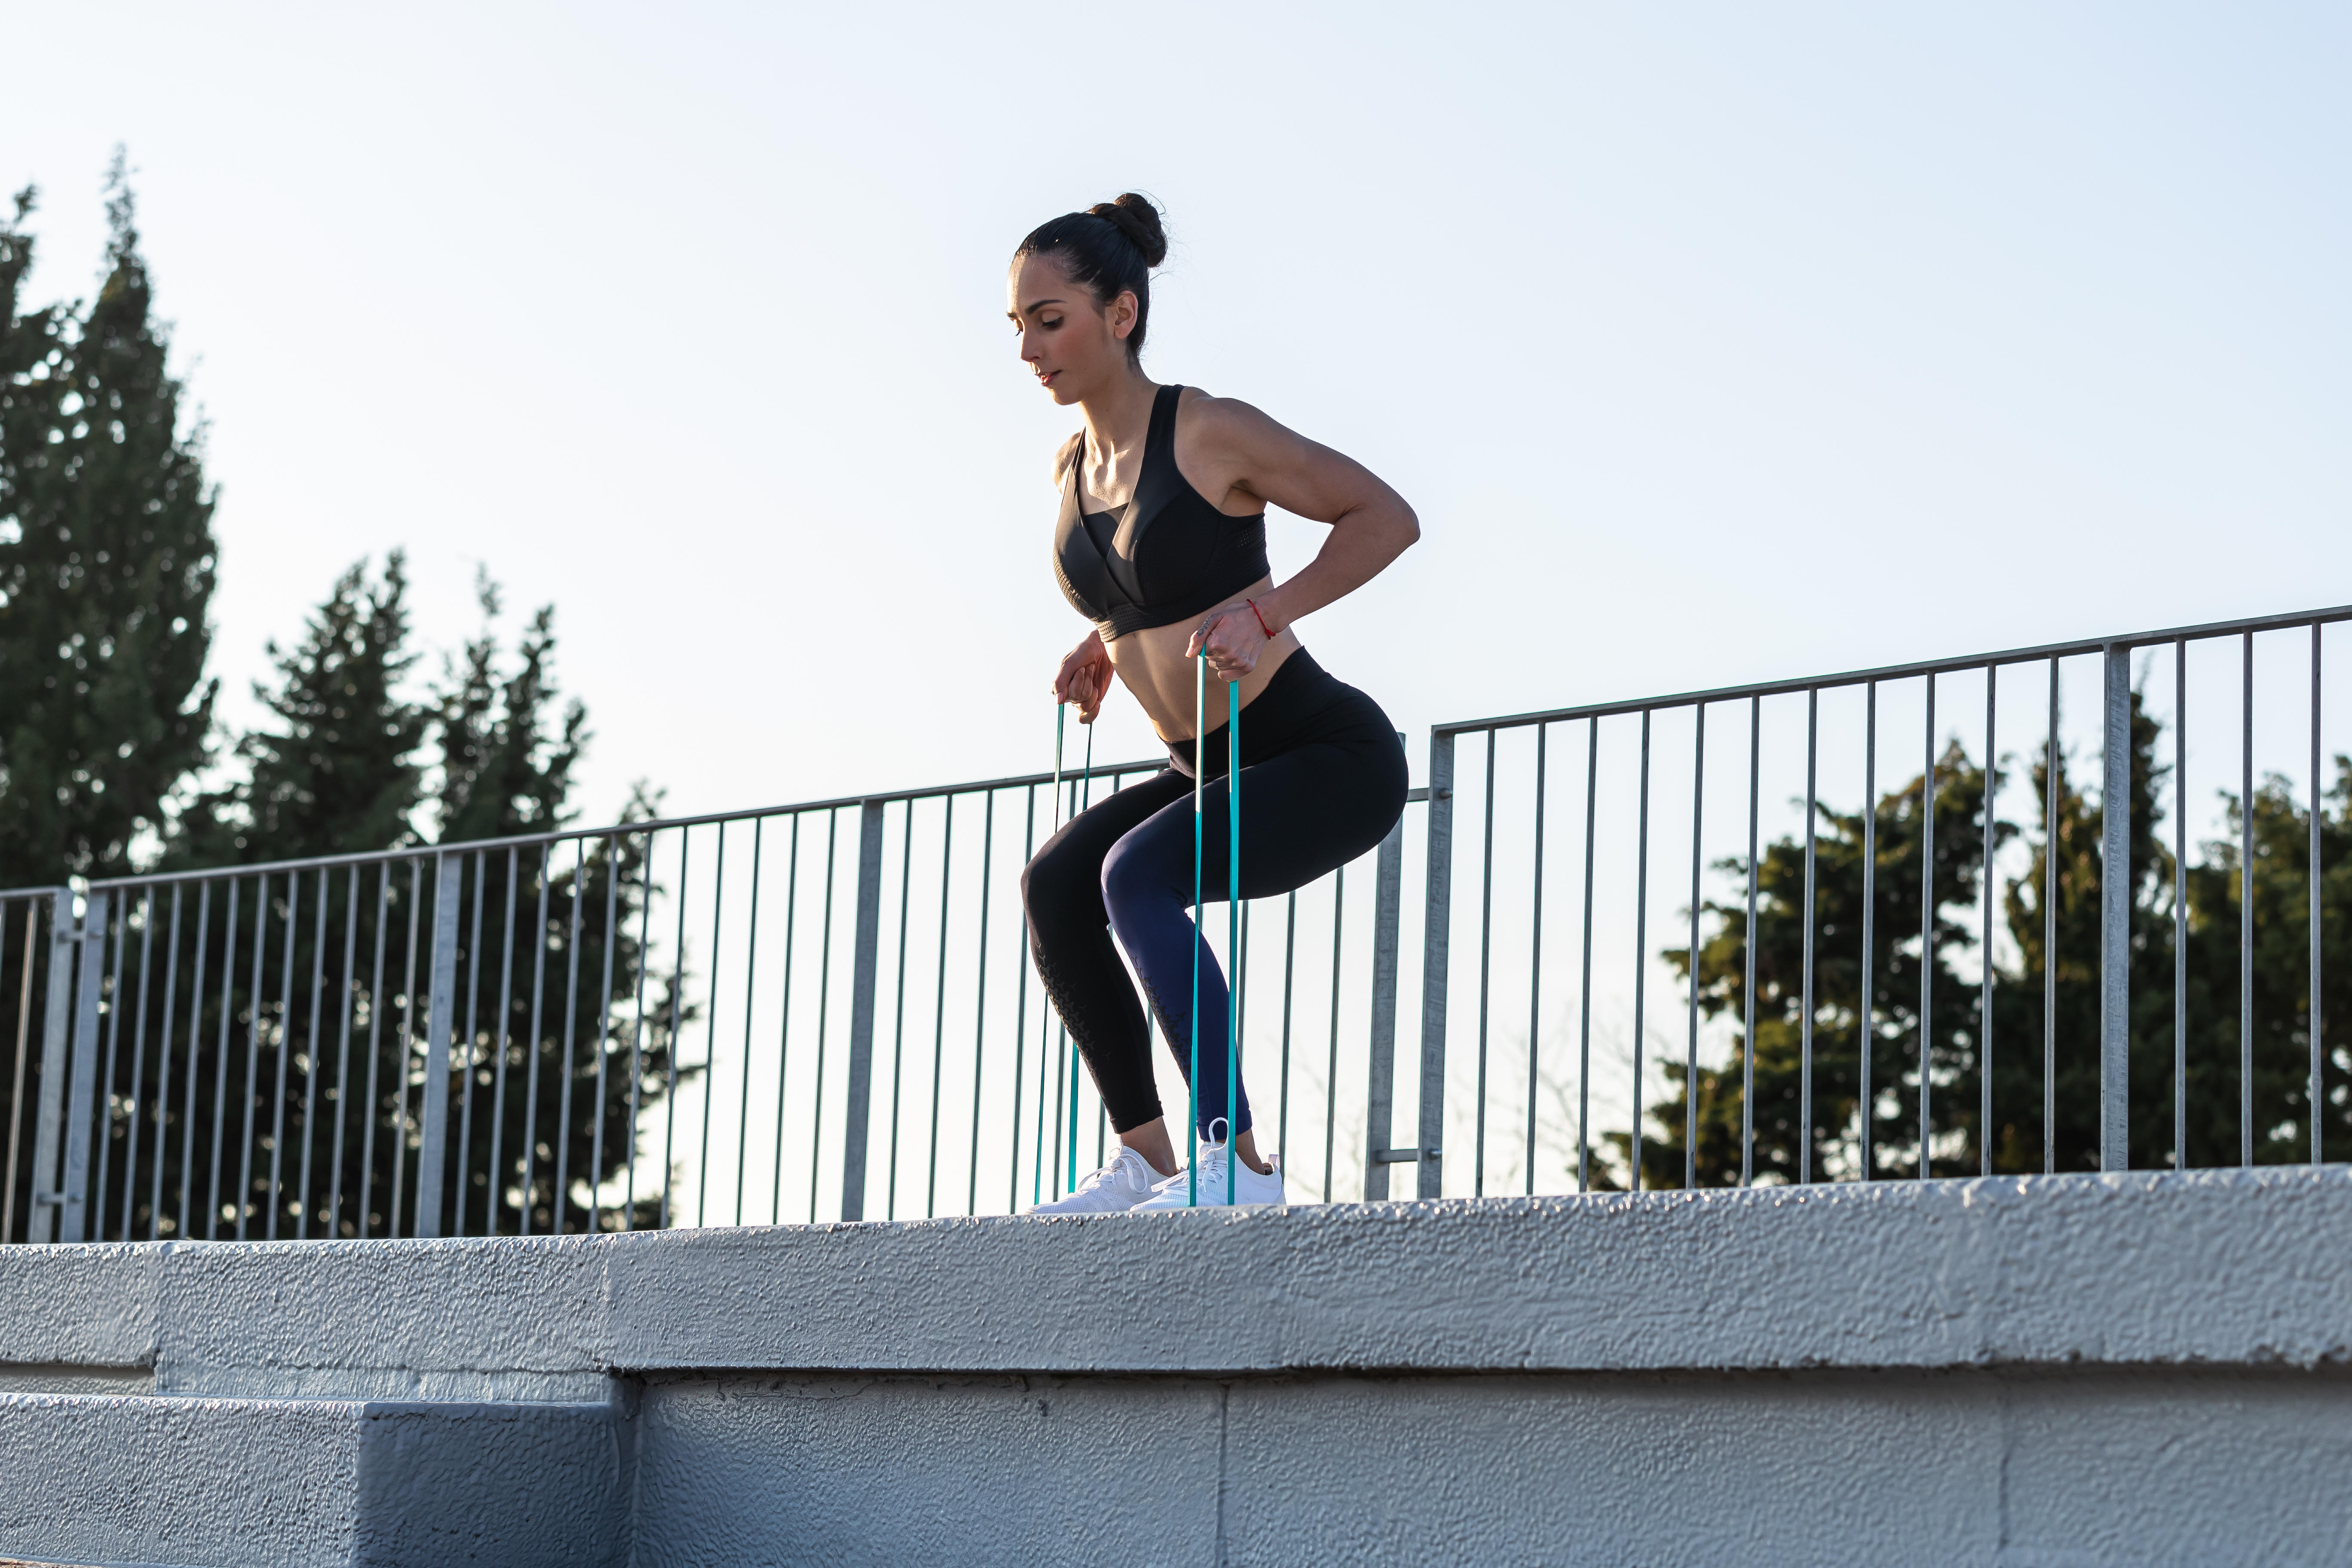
x,y
1162,543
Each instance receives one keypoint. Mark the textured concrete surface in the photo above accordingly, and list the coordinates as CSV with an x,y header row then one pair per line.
x,y
2013,1468
247,1483
2141,1368
2218,1267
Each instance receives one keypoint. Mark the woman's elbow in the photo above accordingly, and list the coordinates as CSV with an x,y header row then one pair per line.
x,y
1405,532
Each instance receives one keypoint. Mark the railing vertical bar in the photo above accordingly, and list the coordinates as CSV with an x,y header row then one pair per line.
x,y
567,1062
2317,1089
163,1066
1747,952
466,1063
750,981
1289,954
604,1028
253,1007
1928,801
2180,904
535,1049
220,1063
939,1008
2246,908
643,963
784,1018
1485,961
1866,1005
1331,1067
343,1045
979,1000
1436,939
2050,934
1380,1076
502,1038
138,1069
2114,916
1021,1005
1535,962
858,1091
1690,1051
1584,993
24,1040
78,1204
407,1049
56,1034
1990,833
105,1096
1641,947
1805,1043
670,1057
440,1026
311,1073
825,992
285,1050
898,1009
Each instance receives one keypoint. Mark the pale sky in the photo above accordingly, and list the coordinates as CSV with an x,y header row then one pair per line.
x,y
1712,342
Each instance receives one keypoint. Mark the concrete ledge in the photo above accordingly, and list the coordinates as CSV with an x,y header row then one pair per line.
x,y
2210,1267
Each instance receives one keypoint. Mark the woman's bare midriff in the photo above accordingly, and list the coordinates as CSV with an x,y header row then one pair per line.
x,y
1151,665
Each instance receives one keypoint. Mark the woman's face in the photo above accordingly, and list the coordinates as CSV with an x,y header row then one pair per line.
x,y
1073,347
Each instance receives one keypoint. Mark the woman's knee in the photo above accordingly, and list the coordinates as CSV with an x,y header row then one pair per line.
x,y
1058,883
1137,873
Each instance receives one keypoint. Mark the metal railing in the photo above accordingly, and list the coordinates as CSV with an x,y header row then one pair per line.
x,y
1853,1076
820,1011
826,1010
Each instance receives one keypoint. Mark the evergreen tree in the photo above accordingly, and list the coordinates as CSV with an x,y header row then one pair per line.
x,y
1780,1123
107,563
339,772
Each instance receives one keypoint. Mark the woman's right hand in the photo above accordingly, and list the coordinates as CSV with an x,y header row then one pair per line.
x,y
1085,677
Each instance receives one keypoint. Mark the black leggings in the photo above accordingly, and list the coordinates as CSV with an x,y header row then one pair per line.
x,y
1323,780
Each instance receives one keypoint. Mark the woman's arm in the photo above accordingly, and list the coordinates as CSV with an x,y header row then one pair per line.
x,y
1370,524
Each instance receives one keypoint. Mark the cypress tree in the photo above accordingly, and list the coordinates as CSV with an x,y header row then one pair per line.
x,y
107,563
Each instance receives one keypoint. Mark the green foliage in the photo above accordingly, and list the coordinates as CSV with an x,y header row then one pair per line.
x,y
106,568
338,771
2045,1038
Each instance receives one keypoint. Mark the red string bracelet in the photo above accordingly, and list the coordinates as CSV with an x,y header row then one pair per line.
x,y
1269,630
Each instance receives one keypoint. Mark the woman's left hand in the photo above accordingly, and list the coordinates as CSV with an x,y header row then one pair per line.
x,y
1232,639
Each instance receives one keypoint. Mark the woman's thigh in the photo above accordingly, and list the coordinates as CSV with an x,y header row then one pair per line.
x,y
1303,814
1063,879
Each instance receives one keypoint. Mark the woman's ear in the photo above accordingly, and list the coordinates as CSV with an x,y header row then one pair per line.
x,y
1121,313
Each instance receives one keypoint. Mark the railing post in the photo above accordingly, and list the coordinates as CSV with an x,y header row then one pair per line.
x,y
861,1010
49,1129
433,1118
1379,1097
81,1099
1437,914
2114,919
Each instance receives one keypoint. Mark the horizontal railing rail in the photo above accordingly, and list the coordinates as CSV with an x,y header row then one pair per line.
x,y
1812,929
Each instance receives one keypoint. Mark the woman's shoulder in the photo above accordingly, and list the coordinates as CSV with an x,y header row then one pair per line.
x,y
1066,453
1220,424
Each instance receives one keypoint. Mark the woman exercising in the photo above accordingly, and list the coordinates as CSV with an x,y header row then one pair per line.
x,y
1162,543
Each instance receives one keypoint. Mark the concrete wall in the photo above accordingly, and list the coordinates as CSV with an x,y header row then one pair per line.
x,y
2082,1369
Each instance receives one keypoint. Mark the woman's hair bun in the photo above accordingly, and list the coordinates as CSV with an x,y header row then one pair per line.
x,y
1136,217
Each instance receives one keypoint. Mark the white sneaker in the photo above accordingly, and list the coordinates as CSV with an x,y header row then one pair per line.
x,y
1118,1188
1177,1192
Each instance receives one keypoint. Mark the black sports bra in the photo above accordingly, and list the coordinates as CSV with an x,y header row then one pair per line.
x,y
1165,556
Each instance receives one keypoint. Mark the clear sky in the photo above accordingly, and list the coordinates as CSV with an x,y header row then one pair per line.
x,y
1712,341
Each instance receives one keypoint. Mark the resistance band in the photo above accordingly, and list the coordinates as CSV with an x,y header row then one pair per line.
x,y
1086,798
1233,911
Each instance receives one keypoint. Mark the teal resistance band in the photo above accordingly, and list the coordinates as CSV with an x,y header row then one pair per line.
x,y
1192,1078
1086,798
1233,928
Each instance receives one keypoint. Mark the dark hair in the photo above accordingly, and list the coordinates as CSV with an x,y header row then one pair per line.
x,y
1108,249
